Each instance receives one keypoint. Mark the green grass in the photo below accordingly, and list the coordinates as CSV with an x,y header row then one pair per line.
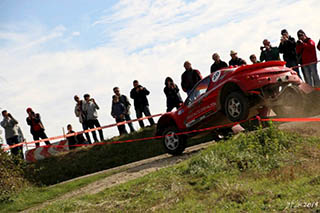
x,y
32,195
264,171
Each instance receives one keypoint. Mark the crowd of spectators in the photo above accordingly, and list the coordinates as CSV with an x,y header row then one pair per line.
x,y
301,52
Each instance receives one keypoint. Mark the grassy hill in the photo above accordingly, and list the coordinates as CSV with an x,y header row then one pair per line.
x,y
265,170
262,171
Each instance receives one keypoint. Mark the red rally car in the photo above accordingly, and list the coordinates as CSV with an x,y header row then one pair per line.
x,y
231,95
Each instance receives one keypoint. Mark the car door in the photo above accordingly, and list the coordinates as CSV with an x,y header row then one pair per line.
x,y
197,103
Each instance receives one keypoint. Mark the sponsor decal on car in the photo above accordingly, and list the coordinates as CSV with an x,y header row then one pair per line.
x,y
215,76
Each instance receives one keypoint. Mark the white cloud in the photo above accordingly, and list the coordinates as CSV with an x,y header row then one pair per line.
x,y
149,40
76,34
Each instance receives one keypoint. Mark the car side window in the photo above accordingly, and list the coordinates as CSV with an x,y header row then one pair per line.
x,y
199,90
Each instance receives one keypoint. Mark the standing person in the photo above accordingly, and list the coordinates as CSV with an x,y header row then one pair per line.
x,y
82,116
72,140
172,93
253,59
287,46
89,108
36,126
189,78
269,53
118,112
141,104
235,60
307,49
218,63
125,101
9,123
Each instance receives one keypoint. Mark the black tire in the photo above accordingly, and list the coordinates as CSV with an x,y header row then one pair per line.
x,y
294,103
236,107
173,144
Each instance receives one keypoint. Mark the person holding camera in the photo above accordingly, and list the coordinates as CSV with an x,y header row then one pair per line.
x,y
81,115
307,49
89,108
171,91
125,101
141,104
287,47
36,126
10,125
118,112
269,53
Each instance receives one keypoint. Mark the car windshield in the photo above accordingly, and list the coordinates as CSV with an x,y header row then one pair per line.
x,y
198,90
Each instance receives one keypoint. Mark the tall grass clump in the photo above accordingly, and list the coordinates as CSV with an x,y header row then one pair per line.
x,y
261,150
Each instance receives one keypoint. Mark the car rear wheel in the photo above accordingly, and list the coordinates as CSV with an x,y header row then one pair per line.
x,y
174,144
236,106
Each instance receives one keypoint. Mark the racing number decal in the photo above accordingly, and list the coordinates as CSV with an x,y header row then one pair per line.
x,y
216,76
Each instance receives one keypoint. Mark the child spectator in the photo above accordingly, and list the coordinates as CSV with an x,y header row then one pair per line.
x,y
75,139
118,112
172,93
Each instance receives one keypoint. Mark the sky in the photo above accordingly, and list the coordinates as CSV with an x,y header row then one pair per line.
x,y
53,50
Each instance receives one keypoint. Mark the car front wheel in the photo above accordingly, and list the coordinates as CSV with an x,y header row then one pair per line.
x,y
174,144
236,107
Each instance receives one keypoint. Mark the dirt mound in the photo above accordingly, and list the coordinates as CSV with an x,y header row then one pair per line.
x,y
303,128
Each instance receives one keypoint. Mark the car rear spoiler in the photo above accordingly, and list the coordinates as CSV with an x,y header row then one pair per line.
x,y
260,66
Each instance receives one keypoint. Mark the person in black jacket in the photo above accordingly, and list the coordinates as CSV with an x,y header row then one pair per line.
x,y
125,101
287,46
189,78
141,104
173,96
36,126
118,112
235,60
218,63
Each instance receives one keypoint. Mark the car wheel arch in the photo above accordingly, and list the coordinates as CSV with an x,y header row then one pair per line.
x,y
227,89
164,122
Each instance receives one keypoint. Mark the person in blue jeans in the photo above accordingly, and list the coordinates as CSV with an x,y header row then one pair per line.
x,y
10,125
141,104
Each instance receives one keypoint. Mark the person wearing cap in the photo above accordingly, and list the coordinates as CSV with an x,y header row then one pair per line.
x,y
36,126
189,78
89,108
253,59
218,63
287,47
11,129
307,49
235,60
269,53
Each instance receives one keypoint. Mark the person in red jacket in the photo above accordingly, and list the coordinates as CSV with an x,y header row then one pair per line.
x,y
307,49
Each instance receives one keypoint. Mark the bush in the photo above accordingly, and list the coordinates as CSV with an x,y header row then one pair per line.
x,y
11,176
261,150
